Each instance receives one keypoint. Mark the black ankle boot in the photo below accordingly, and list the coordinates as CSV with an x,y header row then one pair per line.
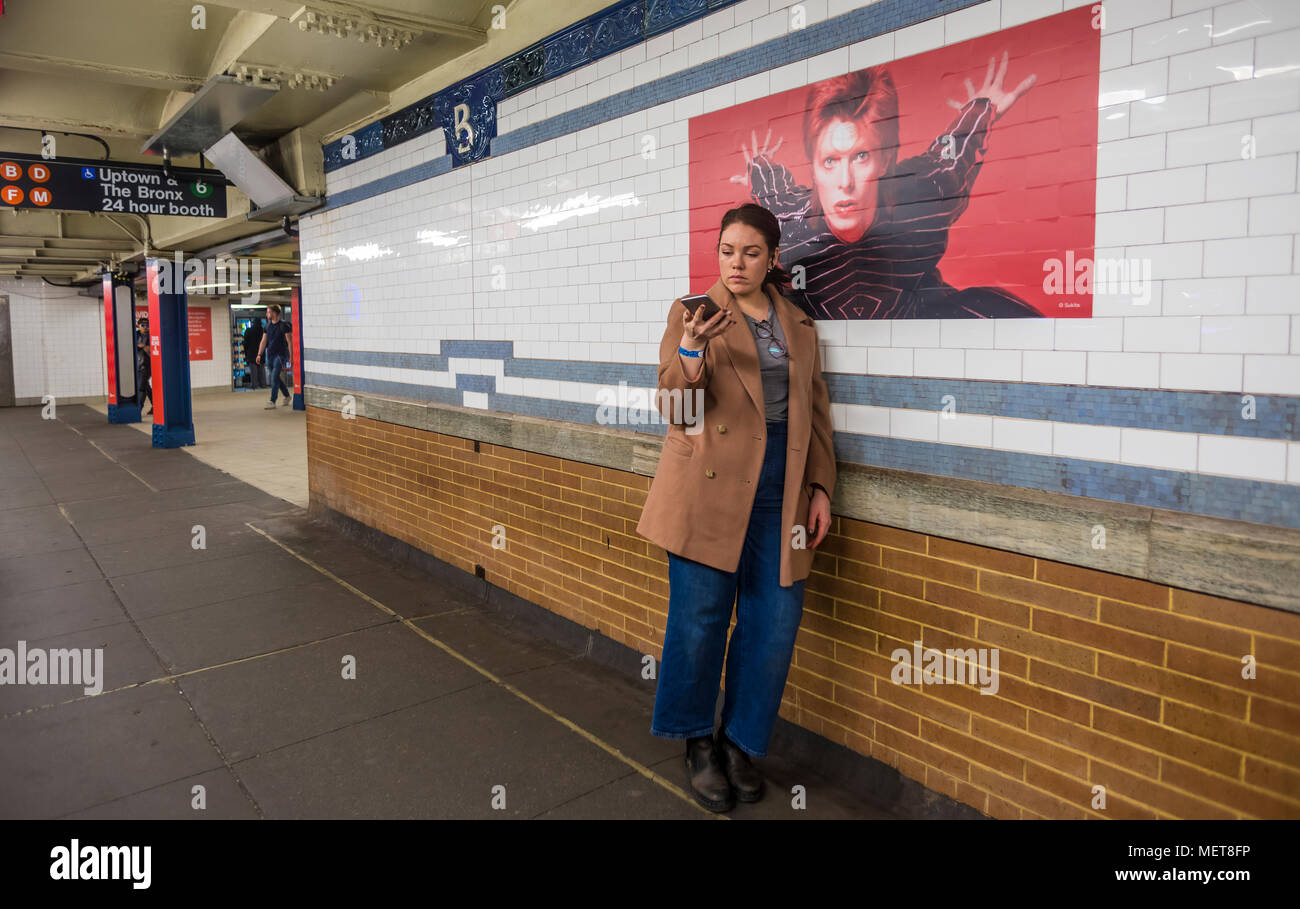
x,y
707,780
743,776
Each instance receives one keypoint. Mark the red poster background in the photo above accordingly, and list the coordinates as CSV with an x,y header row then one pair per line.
x,y
1034,197
200,333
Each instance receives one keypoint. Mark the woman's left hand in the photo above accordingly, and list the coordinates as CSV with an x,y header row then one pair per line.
x,y
819,517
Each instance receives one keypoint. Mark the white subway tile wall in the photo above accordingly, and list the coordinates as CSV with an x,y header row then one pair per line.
x,y
59,348
58,340
572,248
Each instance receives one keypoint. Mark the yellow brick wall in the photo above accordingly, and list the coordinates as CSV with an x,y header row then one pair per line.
x,y
1104,680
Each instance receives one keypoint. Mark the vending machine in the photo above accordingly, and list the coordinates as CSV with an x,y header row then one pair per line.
x,y
240,377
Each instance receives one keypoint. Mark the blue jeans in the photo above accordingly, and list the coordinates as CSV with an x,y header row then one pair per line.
x,y
277,380
767,618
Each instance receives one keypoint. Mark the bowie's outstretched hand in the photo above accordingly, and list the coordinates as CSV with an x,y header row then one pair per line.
x,y
743,179
992,89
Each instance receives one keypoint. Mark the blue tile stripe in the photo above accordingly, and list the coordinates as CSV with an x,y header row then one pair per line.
x,y
482,350
1216,413
1212,413
1175,490
428,393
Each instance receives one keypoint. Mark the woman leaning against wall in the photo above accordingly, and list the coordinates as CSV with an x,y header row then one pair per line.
x,y
739,501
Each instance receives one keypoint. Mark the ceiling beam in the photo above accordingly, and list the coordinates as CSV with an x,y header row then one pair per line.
x,y
102,72
83,243
64,124
242,33
281,9
245,30
373,13
292,10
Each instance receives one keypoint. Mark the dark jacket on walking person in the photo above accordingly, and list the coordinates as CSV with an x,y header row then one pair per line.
x,y
143,364
252,339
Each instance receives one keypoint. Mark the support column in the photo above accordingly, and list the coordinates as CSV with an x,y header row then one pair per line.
x,y
169,347
119,349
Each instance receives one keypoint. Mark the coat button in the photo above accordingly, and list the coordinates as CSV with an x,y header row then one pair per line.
x,y
709,474
722,429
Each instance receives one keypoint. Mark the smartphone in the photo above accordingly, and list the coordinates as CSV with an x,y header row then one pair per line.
x,y
693,302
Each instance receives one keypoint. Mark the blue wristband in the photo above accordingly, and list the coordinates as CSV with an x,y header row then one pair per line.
x,y
693,353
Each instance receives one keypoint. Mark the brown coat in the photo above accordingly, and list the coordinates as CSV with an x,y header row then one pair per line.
x,y
699,504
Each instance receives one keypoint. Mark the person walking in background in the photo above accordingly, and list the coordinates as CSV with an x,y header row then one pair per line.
x,y
275,349
252,344
143,364
721,523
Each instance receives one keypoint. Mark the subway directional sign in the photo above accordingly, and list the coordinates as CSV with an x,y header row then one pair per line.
x,y
77,184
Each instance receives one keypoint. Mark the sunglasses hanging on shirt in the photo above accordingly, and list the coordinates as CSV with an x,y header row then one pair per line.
x,y
774,345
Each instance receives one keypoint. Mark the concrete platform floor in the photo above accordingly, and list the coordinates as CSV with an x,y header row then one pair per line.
x,y
234,432
224,665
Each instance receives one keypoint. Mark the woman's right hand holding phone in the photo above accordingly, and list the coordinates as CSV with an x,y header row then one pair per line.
x,y
696,332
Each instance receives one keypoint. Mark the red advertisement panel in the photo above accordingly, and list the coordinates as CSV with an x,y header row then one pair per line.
x,y
200,333
954,183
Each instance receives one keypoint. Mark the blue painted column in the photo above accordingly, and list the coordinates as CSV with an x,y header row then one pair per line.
x,y
169,348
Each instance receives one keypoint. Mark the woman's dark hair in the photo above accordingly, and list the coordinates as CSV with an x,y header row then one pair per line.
x,y
763,221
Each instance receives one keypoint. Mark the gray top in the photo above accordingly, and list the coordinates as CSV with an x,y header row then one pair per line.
x,y
775,370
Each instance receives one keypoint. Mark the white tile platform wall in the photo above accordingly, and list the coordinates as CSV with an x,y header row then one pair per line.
x,y
58,342
574,247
